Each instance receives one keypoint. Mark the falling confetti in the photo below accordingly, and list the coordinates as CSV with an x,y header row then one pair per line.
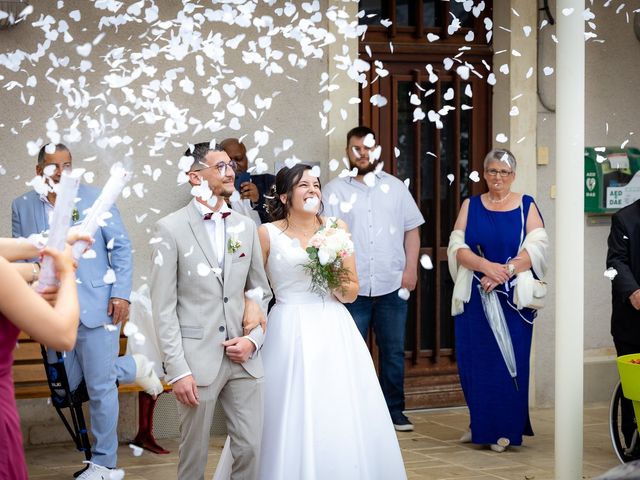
x,y
425,262
610,273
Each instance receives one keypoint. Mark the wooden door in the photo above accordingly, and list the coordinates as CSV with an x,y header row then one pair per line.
x,y
436,161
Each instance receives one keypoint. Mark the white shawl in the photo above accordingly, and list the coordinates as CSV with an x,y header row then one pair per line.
x,y
462,276
535,243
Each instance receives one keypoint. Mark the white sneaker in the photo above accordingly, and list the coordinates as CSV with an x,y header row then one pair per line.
x,y
146,377
466,437
95,472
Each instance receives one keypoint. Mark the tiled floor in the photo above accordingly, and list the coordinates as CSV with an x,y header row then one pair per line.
x,y
431,452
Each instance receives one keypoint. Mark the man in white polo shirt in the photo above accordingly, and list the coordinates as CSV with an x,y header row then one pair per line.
x,y
384,221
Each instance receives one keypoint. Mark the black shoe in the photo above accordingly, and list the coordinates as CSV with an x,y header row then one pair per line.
x,y
401,423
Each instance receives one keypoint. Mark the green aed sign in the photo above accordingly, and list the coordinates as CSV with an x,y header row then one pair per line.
x,y
611,178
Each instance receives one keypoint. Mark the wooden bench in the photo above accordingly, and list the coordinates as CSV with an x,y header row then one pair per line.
x,y
29,377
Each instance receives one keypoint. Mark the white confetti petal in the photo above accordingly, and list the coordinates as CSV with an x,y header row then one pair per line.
x,y
109,277
369,141
463,71
255,294
129,329
369,179
203,269
448,95
404,294
610,273
84,50
425,261
501,138
378,100
548,71
311,204
451,177
474,176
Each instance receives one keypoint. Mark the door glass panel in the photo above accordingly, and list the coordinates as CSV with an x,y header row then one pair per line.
x,y
447,166
406,136
374,11
447,338
465,143
466,18
404,12
427,160
427,297
430,13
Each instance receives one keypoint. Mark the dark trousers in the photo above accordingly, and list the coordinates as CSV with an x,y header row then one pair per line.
x,y
387,314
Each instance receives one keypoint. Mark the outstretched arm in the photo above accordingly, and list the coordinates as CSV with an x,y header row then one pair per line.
x,y
55,327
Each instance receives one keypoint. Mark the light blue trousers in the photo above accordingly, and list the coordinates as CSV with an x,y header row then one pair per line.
x,y
95,358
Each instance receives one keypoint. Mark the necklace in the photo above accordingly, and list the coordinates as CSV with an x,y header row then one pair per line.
x,y
305,233
498,201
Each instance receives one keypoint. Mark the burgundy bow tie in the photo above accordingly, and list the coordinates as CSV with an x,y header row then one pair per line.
x,y
223,215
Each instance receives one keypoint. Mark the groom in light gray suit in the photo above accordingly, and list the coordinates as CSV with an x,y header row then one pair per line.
x,y
206,257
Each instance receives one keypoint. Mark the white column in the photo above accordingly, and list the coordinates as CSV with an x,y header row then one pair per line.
x,y
569,241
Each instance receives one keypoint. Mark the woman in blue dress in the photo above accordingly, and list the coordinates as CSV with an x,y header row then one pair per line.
x,y
498,236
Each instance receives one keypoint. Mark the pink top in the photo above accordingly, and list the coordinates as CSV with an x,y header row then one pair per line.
x,y
12,462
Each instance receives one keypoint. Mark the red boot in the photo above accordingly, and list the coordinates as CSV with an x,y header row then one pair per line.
x,y
144,438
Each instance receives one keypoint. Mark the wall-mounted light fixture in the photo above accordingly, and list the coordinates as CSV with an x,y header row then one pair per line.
x,y
12,12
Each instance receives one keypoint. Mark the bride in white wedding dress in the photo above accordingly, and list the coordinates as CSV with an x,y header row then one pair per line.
x,y
325,417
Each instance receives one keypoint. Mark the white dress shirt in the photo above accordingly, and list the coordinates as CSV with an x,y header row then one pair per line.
x,y
215,228
378,217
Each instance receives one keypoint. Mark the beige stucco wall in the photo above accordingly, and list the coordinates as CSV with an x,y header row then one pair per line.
x,y
297,94
612,70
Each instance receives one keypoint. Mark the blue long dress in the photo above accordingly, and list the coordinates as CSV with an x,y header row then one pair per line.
x,y
497,409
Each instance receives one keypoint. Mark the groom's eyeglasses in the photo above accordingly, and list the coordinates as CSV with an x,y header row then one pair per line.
x,y
222,167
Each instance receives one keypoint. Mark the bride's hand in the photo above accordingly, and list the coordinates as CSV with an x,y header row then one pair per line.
x,y
252,317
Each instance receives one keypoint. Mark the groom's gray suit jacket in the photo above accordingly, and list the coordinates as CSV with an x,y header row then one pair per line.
x,y
193,314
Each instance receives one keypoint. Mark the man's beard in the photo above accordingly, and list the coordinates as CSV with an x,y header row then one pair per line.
x,y
364,170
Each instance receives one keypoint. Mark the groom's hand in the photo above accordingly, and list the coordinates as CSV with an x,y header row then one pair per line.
x,y
186,391
239,349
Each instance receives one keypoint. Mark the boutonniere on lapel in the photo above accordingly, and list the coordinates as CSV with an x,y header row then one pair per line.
x,y
233,245
75,215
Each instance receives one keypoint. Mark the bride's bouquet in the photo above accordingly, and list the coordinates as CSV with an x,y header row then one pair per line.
x,y
327,248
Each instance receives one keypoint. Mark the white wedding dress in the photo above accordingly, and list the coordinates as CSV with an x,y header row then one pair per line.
x,y
325,417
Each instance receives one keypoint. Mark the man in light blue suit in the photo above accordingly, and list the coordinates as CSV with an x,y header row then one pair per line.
x,y
104,285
